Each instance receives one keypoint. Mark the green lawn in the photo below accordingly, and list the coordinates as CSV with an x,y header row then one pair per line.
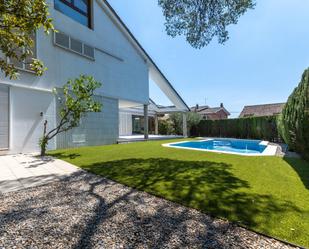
x,y
266,194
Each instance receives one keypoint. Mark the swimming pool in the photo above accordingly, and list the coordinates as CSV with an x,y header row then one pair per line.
x,y
230,146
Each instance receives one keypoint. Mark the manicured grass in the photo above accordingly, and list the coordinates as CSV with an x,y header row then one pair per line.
x,y
266,194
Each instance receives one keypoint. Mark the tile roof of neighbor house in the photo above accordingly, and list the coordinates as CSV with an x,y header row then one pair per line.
x,y
208,110
199,108
262,110
211,110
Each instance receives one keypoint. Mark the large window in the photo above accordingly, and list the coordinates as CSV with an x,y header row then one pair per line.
x,y
138,124
79,10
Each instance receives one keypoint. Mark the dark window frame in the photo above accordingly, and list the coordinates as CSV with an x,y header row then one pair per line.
x,y
88,14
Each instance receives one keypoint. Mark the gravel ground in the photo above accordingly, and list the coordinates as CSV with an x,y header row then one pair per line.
x,y
87,211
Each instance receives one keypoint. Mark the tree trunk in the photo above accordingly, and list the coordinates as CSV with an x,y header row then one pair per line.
x,y
43,147
44,141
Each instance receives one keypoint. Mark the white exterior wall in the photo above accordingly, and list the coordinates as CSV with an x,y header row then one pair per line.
x,y
125,79
95,128
26,124
125,124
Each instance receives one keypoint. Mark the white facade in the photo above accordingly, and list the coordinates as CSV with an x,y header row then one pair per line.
x,y
120,64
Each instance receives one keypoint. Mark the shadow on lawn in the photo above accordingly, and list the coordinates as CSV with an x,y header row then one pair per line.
x,y
301,167
93,211
65,156
208,186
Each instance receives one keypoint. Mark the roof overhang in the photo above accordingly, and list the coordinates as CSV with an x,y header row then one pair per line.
x,y
154,72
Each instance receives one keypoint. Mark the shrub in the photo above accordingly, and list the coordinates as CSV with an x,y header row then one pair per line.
x,y
252,127
176,121
165,127
294,122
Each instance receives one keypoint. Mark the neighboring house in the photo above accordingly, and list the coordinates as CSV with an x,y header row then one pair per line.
x,y
262,110
92,40
211,113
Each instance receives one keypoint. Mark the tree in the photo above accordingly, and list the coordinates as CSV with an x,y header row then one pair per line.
x,y
176,120
199,20
76,99
19,19
192,120
202,20
294,121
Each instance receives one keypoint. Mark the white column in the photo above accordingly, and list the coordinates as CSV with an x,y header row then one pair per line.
x,y
184,125
156,125
146,122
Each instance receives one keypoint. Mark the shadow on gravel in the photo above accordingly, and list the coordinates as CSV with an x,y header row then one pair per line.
x,y
207,186
301,167
85,211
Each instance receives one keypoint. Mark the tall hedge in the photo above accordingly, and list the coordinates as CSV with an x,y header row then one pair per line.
x,y
294,122
264,128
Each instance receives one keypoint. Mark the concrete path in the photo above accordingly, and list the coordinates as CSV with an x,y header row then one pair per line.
x,y
23,171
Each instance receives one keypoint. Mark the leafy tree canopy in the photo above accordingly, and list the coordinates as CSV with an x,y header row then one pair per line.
x,y
202,20
18,21
77,98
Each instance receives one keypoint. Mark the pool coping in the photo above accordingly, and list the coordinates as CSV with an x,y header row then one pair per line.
x,y
270,149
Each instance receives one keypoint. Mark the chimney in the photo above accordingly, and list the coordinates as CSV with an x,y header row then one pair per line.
x,y
196,107
221,105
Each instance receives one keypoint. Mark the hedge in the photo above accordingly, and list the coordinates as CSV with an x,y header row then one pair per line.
x,y
264,128
294,121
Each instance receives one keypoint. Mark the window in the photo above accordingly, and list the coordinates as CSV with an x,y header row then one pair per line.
x,y
67,42
25,64
79,10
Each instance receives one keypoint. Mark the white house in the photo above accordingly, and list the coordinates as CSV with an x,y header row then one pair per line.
x,y
92,40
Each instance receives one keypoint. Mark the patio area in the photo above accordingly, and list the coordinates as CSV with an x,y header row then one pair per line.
x,y
24,171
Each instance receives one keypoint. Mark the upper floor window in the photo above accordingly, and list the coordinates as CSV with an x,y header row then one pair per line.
x,y
79,10
24,64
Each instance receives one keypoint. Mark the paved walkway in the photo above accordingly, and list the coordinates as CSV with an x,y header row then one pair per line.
x,y
23,171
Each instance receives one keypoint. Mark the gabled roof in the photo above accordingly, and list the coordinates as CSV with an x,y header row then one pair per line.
x,y
199,108
208,110
154,71
262,110
213,110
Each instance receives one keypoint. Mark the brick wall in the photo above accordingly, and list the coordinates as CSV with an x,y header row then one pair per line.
x,y
217,116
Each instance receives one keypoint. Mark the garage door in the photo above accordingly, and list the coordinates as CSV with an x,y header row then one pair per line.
x,y
4,117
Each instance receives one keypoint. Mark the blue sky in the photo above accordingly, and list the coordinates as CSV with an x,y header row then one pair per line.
x,y
262,61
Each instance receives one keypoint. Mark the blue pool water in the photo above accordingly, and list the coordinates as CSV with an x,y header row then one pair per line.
x,y
226,145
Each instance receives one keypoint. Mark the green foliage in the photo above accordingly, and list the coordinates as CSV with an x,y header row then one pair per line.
x,y
192,120
19,20
252,128
76,99
175,122
201,21
267,194
294,122
165,127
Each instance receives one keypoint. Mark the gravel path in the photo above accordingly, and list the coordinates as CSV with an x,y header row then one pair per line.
x,y
87,211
